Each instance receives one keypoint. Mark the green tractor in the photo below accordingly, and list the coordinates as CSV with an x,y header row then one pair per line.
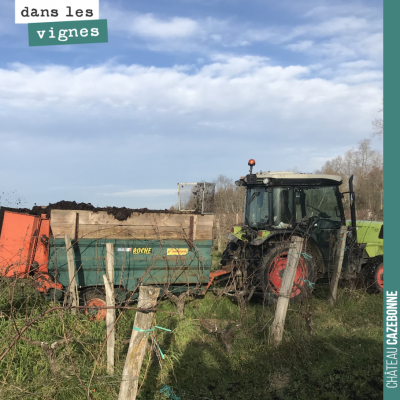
x,y
281,204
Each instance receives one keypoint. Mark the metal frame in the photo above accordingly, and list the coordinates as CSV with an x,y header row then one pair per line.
x,y
202,200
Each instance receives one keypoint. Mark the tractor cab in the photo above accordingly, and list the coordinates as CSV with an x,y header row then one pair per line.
x,y
276,202
279,200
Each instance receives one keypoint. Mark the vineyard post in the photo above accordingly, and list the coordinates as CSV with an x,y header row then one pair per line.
x,y
110,301
137,346
73,288
337,268
293,257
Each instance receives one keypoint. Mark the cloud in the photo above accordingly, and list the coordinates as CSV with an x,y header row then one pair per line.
x,y
327,34
226,85
148,25
300,46
332,27
328,28
333,40
232,94
339,8
330,35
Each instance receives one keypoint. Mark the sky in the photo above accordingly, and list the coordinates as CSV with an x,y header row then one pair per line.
x,y
185,90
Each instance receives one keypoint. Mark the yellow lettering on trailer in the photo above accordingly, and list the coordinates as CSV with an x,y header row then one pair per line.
x,y
142,250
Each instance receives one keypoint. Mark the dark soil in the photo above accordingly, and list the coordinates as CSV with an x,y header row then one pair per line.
x,y
119,213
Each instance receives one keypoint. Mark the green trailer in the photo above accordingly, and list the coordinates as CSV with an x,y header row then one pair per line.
x,y
171,250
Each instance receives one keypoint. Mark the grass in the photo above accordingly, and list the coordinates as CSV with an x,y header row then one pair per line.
x,y
215,260
341,360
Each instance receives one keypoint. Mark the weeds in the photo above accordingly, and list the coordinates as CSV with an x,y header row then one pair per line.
x,y
342,359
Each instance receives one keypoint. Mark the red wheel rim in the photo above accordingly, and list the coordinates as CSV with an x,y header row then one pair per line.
x,y
275,274
96,310
379,276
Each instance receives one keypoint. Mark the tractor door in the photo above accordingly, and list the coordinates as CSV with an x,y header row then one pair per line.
x,y
320,213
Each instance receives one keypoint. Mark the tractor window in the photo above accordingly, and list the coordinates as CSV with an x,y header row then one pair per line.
x,y
257,207
318,202
282,207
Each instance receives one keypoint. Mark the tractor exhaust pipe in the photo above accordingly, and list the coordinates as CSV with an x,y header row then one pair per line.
x,y
353,207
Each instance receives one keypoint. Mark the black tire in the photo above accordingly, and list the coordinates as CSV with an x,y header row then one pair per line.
x,y
271,273
93,295
363,280
371,276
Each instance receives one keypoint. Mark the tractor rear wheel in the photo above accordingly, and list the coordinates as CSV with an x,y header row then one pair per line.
x,y
378,277
272,268
95,299
371,276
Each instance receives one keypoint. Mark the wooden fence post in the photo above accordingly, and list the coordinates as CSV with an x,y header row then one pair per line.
x,y
110,321
137,345
110,262
73,288
337,268
110,301
295,249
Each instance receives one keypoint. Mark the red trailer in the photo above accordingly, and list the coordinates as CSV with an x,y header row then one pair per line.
x,y
24,248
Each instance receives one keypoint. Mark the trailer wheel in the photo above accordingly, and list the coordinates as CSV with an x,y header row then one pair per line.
x,y
273,267
95,298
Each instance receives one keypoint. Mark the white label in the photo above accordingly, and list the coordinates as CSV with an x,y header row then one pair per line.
x,y
125,249
30,11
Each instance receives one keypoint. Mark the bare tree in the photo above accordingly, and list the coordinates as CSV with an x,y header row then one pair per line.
x,y
366,164
229,207
377,124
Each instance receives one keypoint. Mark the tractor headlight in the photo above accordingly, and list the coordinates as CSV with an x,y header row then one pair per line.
x,y
266,181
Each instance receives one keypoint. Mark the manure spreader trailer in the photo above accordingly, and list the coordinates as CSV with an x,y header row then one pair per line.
x,y
170,249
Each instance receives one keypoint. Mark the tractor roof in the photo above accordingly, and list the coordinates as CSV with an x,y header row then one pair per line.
x,y
276,178
292,175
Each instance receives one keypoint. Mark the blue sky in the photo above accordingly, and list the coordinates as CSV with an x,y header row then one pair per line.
x,y
183,91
